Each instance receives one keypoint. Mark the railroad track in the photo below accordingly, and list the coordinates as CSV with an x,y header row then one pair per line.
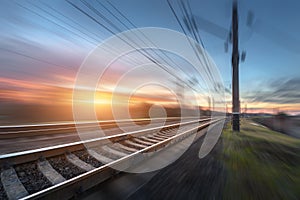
x,y
25,137
63,171
15,131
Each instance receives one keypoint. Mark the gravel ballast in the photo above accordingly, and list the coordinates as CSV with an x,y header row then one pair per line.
x,y
64,167
86,157
32,179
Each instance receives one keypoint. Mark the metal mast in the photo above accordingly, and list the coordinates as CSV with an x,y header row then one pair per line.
x,y
235,71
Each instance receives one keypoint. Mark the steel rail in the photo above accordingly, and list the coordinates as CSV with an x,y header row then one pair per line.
x,y
88,122
30,130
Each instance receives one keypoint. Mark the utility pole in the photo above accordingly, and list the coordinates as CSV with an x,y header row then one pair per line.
x,y
235,71
226,110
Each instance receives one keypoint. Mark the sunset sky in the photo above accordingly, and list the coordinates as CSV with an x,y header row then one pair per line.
x,y
43,43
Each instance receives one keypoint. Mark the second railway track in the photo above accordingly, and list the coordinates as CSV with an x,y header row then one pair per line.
x,y
66,170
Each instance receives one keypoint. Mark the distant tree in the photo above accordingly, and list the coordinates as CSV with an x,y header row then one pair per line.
x,y
282,114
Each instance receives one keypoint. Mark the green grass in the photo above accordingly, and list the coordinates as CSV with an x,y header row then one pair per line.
x,y
260,163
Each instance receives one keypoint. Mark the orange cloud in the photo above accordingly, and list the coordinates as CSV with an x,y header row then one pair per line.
x,y
33,92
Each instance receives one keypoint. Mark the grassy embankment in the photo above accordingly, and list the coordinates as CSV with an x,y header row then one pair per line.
x,y
260,163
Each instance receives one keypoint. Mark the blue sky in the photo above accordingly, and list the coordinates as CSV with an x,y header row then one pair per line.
x,y
43,31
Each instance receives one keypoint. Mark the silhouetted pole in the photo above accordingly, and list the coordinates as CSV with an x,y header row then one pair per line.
x,y
235,71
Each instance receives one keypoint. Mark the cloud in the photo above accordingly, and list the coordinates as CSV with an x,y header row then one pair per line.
x,y
280,91
19,91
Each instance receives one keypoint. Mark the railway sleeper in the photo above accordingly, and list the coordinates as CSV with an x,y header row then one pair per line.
x,y
12,185
49,172
143,141
99,157
135,144
79,163
114,152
